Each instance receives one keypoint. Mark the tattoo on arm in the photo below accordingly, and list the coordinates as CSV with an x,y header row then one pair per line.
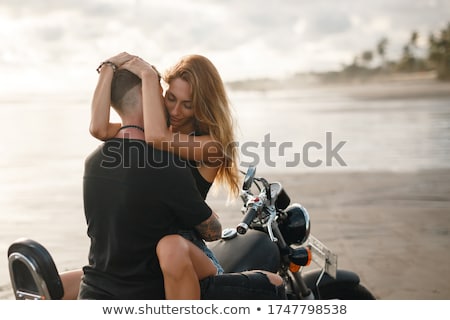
x,y
210,229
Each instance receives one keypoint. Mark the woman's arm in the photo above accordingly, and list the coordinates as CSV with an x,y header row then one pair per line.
x,y
198,148
155,120
100,126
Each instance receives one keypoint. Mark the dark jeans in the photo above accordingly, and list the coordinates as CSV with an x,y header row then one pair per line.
x,y
229,286
89,291
240,286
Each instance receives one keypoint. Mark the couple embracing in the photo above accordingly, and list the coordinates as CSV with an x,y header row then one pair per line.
x,y
148,220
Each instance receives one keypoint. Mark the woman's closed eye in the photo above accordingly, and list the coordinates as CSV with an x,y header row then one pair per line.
x,y
170,97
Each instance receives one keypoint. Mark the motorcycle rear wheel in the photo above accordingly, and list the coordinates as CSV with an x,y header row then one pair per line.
x,y
344,291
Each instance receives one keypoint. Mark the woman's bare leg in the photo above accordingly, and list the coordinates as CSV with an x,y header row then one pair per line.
x,y
183,264
71,283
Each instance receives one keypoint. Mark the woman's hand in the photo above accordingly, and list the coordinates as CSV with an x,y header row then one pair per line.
x,y
139,67
121,58
100,126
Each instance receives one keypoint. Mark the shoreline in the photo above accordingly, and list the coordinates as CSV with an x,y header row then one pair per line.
x,y
426,82
391,228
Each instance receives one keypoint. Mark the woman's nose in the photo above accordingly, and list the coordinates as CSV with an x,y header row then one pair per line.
x,y
175,110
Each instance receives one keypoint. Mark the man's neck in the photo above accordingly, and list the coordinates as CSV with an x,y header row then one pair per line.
x,y
131,130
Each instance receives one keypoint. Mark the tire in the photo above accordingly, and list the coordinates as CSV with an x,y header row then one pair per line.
x,y
344,291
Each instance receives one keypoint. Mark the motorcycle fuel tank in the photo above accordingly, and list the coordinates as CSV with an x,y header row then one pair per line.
x,y
251,251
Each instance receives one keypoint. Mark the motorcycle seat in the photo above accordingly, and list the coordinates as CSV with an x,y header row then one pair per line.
x,y
33,273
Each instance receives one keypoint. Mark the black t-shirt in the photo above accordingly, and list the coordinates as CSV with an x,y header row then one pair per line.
x,y
133,196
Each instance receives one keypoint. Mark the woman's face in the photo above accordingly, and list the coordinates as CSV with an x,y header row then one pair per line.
x,y
178,101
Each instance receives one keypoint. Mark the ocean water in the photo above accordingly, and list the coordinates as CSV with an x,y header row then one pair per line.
x,y
46,139
342,130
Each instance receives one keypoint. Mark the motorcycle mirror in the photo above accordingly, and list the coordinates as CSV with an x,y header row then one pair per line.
x,y
249,176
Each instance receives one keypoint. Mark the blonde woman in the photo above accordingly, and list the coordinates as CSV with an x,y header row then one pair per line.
x,y
200,130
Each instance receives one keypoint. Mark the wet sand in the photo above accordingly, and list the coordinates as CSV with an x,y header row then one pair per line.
x,y
393,229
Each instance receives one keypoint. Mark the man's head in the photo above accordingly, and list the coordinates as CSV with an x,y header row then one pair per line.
x,y
126,93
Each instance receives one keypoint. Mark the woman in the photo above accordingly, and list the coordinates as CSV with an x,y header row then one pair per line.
x,y
200,130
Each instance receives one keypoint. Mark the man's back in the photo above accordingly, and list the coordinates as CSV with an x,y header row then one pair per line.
x,y
133,196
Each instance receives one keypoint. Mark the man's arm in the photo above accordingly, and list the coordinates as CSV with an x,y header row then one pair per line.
x,y
210,229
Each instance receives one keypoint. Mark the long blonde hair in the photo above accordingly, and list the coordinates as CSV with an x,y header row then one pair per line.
x,y
212,111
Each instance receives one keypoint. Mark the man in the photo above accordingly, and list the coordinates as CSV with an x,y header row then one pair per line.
x,y
133,196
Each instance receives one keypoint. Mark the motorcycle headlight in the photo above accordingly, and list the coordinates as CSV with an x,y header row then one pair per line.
x,y
295,229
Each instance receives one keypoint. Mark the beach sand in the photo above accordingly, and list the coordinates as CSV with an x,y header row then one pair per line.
x,y
392,229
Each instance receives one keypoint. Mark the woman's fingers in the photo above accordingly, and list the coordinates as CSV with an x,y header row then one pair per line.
x,y
137,66
121,58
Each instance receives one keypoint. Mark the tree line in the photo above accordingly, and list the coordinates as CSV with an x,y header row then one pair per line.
x,y
436,57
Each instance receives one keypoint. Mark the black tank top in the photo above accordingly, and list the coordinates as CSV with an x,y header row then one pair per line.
x,y
203,185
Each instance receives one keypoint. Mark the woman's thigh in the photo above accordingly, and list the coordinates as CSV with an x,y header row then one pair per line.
x,y
203,265
174,247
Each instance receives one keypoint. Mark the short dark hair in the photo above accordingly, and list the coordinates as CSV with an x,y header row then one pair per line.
x,y
123,80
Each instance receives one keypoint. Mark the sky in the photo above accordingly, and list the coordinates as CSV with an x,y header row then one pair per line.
x,y
56,45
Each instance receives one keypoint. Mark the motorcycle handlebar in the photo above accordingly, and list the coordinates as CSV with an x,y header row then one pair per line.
x,y
248,218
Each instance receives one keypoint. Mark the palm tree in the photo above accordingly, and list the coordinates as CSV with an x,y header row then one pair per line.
x,y
367,57
414,38
381,50
439,53
407,59
413,50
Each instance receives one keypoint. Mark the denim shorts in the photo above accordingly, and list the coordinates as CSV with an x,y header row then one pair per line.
x,y
195,239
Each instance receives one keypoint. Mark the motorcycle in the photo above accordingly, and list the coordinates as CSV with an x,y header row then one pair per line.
x,y
274,235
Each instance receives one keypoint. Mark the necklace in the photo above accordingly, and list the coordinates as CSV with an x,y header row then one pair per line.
x,y
132,126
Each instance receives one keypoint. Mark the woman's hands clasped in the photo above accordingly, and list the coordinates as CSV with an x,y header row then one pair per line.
x,y
120,59
140,67
133,63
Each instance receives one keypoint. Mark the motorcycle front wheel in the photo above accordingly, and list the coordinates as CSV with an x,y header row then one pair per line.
x,y
343,291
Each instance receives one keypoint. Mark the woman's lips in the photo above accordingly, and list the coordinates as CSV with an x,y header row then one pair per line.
x,y
174,120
